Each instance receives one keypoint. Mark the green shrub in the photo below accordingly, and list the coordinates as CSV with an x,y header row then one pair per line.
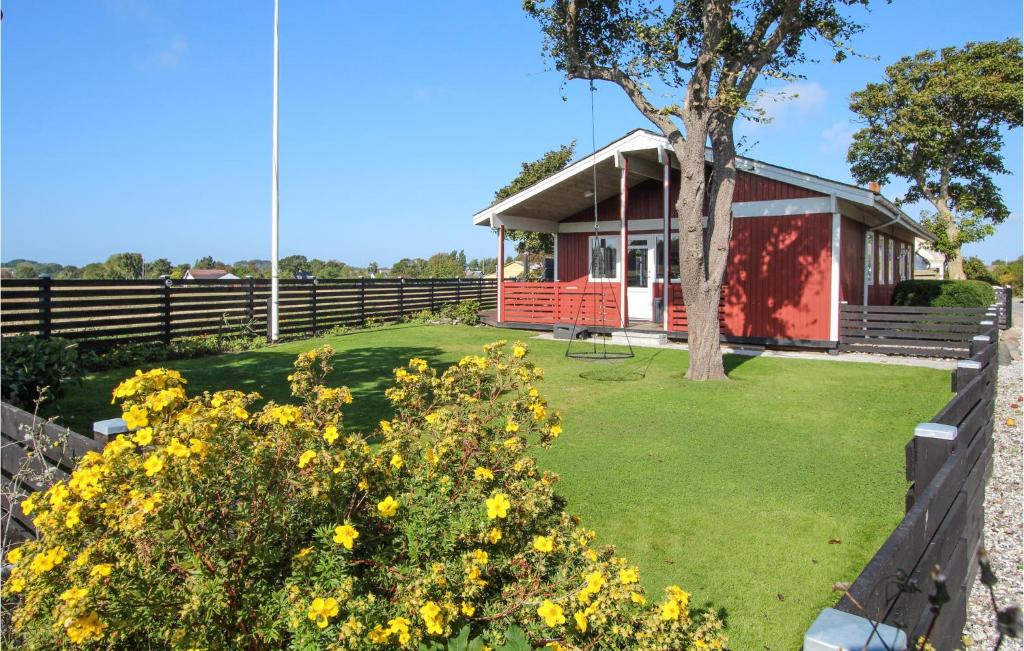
x,y
30,365
149,352
464,312
975,269
215,527
943,293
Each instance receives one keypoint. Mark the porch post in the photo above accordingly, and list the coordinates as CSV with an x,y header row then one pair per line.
x,y
837,252
501,271
623,238
666,287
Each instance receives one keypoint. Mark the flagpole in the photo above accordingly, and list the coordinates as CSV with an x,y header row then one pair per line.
x,y
274,202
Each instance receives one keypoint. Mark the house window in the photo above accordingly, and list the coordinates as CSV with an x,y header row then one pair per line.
x,y
889,260
869,258
673,254
604,258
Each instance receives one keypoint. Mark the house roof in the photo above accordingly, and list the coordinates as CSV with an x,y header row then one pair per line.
x,y
542,205
209,273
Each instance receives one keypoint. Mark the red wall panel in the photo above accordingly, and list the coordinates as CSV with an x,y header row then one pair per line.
x,y
573,256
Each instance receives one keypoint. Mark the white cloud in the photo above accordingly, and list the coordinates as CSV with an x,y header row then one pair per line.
x,y
837,138
166,56
796,100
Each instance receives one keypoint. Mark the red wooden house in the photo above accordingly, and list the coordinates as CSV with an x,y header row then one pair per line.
x,y
801,245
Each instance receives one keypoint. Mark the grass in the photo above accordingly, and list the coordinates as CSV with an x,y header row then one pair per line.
x,y
756,495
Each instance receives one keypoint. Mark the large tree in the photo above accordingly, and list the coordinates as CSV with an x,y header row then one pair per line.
x,y
531,172
937,121
690,68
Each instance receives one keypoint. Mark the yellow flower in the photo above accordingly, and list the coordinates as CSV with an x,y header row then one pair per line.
x,y
581,621
396,461
153,464
494,535
595,581
72,596
73,517
544,543
467,609
379,635
306,457
151,502
331,434
345,535
628,575
670,610
102,569
540,412
304,552
286,414
482,473
497,506
534,392
176,449
240,413
363,484
385,426
87,627
554,646
322,610
638,598
388,507
551,613
15,583
338,468
511,426
481,557
143,436
432,617
555,431
519,351
136,417
400,626
15,555
197,446
432,418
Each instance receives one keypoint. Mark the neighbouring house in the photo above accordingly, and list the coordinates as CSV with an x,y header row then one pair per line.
x,y
801,246
928,263
208,274
514,269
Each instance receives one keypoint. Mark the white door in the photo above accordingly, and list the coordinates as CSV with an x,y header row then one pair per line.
x,y
640,277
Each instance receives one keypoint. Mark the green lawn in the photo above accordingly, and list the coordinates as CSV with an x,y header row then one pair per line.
x,y
734,490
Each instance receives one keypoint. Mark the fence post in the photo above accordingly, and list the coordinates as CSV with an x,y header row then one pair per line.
x,y
167,310
401,299
480,292
250,306
458,290
431,294
270,307
362,302
926,453
966,370
312,289
45,317
1008,306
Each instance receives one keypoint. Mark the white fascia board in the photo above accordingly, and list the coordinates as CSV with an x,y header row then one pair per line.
x,y
525,223
632,142
614,226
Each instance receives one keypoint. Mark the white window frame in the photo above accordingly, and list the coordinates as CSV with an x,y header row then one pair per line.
x,y
869,258
618,258
889,266
658,238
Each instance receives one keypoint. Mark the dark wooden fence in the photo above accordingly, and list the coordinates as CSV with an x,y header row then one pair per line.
x,y
918,331
159,310
949,461
35,454
1004,303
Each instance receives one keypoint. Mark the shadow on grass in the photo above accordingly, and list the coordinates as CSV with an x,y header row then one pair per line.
x,y
366,370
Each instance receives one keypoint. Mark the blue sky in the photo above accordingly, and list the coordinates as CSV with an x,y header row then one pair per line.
x,y
145,126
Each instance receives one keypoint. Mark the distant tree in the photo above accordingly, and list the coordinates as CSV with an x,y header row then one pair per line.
x,y
290,265
446,265
25,270
975,269
937,121
207,262
532,172
409,268
96,271
127,266
1010,273
69,272
159,267
373,269
179,271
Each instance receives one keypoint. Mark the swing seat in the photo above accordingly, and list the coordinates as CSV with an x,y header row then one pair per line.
x,y
570,331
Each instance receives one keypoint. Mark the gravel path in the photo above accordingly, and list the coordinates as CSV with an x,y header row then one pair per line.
x,y
1004,508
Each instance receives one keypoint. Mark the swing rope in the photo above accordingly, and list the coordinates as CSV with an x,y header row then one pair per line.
x,y
597,252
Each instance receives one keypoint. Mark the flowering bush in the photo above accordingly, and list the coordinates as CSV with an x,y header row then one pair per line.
x,y
216,525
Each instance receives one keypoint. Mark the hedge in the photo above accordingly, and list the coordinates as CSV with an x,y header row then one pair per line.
x,y
943,293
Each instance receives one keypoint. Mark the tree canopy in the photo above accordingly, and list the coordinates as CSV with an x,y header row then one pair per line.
x,y
533,172
937,121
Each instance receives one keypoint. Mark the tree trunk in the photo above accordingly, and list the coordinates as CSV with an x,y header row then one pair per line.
x,y
701,258
955,260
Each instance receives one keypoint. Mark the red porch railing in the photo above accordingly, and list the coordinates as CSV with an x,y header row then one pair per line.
x,y
592,304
